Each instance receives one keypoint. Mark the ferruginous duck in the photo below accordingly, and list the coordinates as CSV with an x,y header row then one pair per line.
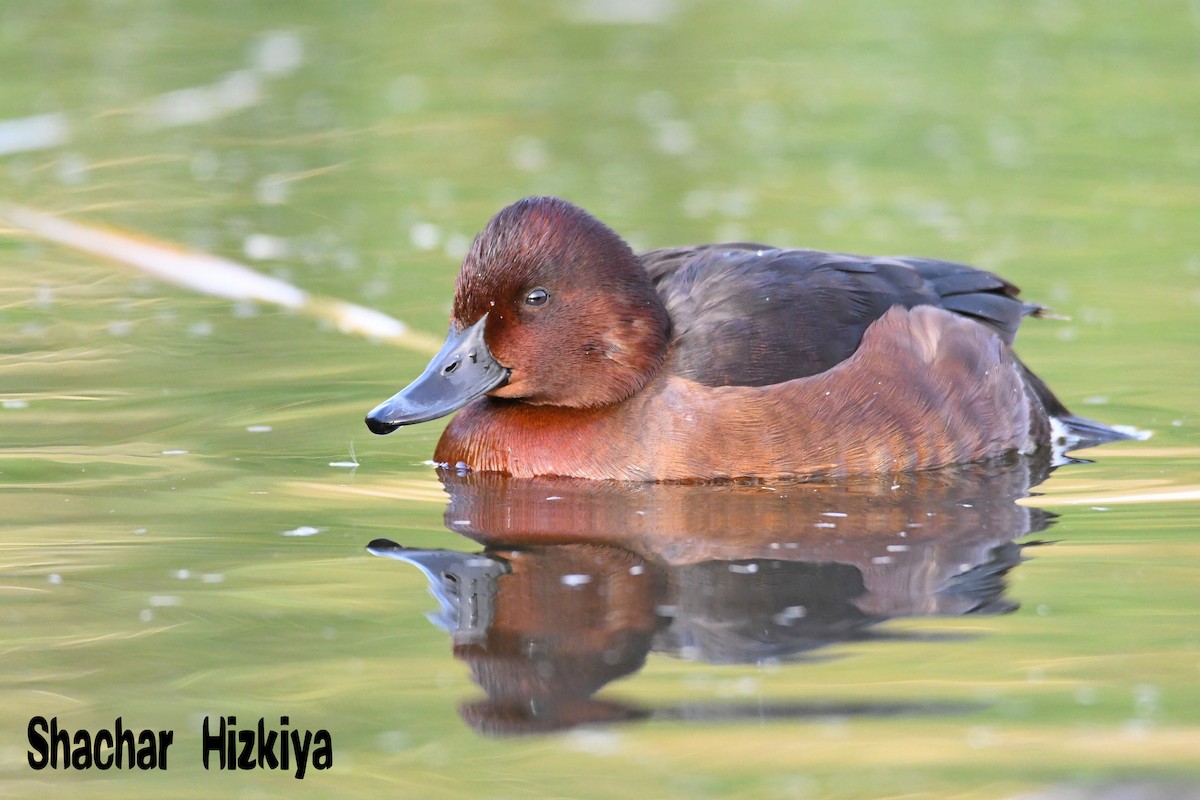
x,y
569,354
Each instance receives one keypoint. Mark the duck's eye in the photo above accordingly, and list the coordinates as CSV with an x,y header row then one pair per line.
x,y
537,297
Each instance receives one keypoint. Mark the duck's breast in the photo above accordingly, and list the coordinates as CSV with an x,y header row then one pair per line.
x,y
925,389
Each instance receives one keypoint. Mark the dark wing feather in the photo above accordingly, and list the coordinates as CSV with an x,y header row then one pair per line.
x,y
974,293
997,311
751,315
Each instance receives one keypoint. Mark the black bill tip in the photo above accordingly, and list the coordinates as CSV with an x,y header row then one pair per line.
x,y
463,370
379,426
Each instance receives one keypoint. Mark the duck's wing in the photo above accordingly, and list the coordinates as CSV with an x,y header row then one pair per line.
x,y
752,315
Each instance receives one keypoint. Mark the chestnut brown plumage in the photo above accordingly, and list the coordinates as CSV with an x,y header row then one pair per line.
x,y
723,361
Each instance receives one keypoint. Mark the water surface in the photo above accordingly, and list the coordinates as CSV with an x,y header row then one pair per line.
x,y
177,543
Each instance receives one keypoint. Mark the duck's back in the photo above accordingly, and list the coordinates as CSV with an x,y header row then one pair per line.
x,y
751,315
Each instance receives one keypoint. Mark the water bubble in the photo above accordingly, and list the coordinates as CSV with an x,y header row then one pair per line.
x,y
237,90
277,53
529,154
675,137
245,309
457,245
303,530
425,235
272,190
262,247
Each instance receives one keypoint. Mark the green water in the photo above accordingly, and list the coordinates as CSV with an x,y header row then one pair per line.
x,y
158,447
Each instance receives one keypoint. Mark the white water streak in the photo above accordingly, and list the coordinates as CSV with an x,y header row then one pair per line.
x,y
41,132
213,275
1183,495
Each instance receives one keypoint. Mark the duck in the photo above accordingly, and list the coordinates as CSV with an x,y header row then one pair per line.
x,y
571,355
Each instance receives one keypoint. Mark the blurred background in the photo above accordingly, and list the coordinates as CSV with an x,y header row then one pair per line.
x,y
182,522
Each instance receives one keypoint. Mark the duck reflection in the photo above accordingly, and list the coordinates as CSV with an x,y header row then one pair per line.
x,y
579,580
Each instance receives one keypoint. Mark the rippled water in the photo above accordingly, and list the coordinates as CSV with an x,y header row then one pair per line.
x,y
187,493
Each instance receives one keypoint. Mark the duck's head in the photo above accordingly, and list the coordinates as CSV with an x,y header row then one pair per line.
x,y
551,307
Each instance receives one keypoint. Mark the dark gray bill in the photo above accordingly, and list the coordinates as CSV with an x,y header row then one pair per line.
x,y
461,371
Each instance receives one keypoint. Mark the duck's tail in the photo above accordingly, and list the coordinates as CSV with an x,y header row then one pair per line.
x,y
1074,432
1069,431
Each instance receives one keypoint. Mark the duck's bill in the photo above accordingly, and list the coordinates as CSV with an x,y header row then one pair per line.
x,y
461,371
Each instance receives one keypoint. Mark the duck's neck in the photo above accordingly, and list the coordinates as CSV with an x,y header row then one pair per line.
x,y
635,344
